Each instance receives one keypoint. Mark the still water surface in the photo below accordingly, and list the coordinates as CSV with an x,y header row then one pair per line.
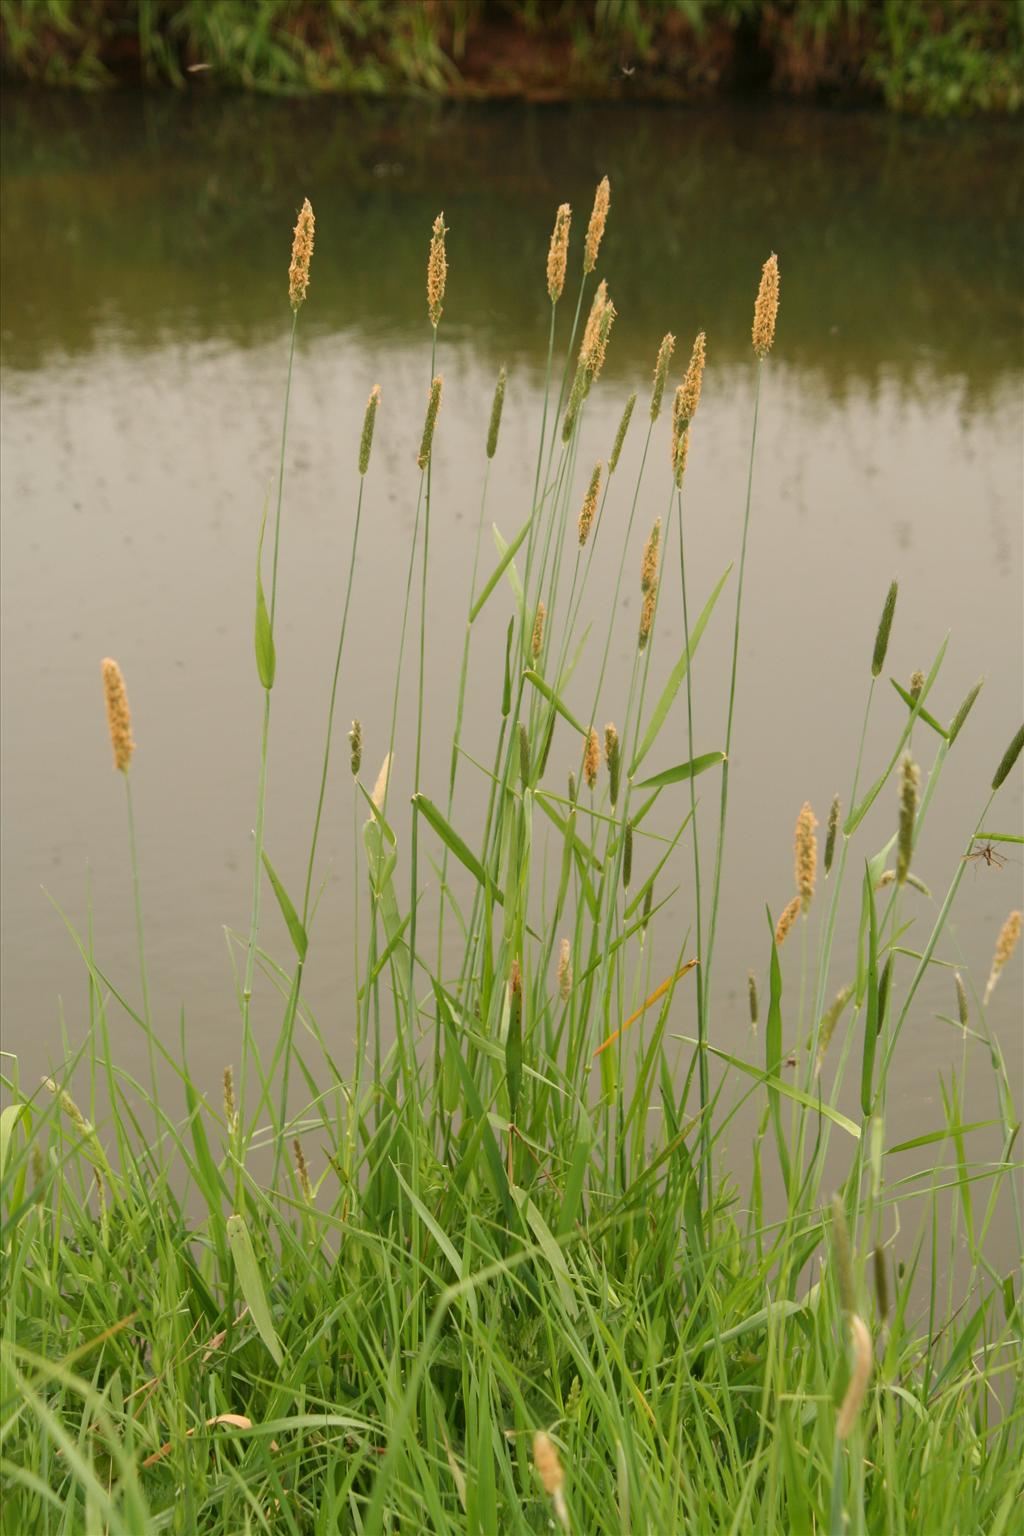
x,y
145,322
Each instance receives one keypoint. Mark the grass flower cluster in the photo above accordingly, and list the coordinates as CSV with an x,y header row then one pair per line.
x,y
498,1277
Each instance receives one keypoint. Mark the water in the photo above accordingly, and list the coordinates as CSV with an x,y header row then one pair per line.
x,y
145,320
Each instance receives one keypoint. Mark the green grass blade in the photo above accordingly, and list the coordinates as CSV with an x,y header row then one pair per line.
x,y
266,657
675,678
553,698
251,1284
448,835
911,703
288,912
508,554
682,771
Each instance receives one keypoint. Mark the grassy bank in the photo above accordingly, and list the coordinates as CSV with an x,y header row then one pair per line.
x,y
924,56
498,1276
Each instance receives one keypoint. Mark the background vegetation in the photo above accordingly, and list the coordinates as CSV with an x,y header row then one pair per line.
x,y
922,56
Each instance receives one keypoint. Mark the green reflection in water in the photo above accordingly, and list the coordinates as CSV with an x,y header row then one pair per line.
x,y
900,242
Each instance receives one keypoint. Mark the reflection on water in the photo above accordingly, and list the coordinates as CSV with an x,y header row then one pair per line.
x,y
145,320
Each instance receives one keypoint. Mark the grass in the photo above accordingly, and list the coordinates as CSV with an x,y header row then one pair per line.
x,y
353,1302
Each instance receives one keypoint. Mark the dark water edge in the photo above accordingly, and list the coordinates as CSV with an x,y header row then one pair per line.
x,y
855,201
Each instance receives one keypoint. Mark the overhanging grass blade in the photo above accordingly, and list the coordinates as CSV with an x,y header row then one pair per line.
x,y
561,822
507,556
251,1284
555,1257
675,678
553,698
288,912
786,1090
448,835
682,771
911,703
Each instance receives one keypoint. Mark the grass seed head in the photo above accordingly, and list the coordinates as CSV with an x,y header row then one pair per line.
x,y
429,423
592,329
884,629
302,1171
302,255
828,1026
549,1470
611,757
69,1107
786,921
752,995
119,717
668,346
1008,759
594,345
688,393
558,252
883,992
849,1408
573,789
496,409
369,421
591,357
881,1282
437,271
591,758
916,684
355,742
649,559
524,755
805,859
548,1463
648,609
620,436
957,722
564,971
380,789
229,1100
843,1255
963,1011
680,441
537,638
830,835
598,219
627,855
766,308
1009,934
910,779
589,507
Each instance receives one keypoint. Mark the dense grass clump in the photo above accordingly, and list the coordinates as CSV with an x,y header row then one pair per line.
x,y
498,1277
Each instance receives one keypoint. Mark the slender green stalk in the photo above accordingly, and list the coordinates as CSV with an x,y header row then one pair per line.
x,y
724,799
330,707
248,1047
704,1183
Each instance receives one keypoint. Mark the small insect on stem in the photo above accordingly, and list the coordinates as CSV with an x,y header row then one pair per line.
x,y
987,852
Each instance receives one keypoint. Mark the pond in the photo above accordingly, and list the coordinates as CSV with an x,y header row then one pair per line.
x,y
145,333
